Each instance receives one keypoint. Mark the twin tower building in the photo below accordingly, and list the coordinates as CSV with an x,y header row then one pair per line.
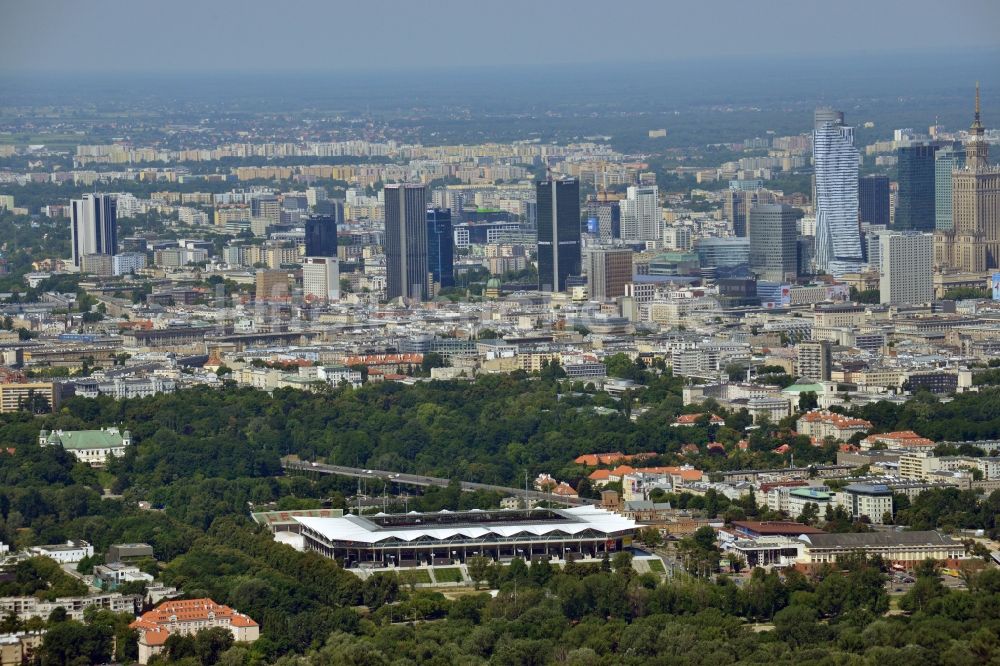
x,y
419,246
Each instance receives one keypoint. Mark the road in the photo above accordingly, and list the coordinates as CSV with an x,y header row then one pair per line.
x,y
419,480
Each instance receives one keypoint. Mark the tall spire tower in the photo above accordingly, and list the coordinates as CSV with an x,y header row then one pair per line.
x,y
976,147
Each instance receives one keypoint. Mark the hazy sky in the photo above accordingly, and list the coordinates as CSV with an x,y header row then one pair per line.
x,y
95,35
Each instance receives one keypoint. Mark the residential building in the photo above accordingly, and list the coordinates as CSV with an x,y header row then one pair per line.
x,y
406,241
640,214
773,252
609,269
26,608
100,265
186,617
559,243
440,247
814,360
93,226
321,278
127,263
906,261
873,200
915,209
28,395
838,236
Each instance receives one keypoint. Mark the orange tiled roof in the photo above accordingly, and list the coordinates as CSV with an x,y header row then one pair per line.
x,y
691,419
155,624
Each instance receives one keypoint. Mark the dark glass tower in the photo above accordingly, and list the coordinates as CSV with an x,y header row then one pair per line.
x,y
873,199
915,200
558,232
321,236
406,241
440,246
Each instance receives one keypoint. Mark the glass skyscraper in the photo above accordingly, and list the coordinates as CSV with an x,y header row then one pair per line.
x,y
838,234
558,232
873,199
947,160
440,246
321,236
406,241
915,209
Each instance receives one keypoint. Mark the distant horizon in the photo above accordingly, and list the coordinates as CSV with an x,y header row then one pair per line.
x,y
939,57
318,35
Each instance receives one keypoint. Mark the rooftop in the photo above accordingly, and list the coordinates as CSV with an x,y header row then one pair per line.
x,y
444,525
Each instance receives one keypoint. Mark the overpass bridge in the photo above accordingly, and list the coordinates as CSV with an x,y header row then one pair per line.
x,y
313,468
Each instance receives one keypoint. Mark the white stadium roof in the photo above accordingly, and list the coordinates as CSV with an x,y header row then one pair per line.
x,y
569,522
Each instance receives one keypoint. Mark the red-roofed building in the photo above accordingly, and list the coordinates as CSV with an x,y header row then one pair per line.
x,y
904,439
595,459
564,490
692,419
185,617
820,424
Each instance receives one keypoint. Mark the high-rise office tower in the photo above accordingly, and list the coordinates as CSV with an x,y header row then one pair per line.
x,y
905,260
321,236
558,232
739,199
93,226
915,200
440,247
946,161
640,210
735,209
609,269
873,199
973,245
838,235
406,241
773,252
609,219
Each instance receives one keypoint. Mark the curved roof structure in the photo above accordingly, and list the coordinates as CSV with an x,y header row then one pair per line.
x,y
468,525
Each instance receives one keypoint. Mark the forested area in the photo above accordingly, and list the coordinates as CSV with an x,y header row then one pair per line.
x,y
203,459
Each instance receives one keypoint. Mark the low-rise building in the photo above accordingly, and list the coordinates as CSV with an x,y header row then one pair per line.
x,y
867,500
820,424
90,446
904,439
187,617
906,548
64,553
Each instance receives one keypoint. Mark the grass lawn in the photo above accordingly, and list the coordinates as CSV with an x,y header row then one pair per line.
x,y
449,575
415,576
656,566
